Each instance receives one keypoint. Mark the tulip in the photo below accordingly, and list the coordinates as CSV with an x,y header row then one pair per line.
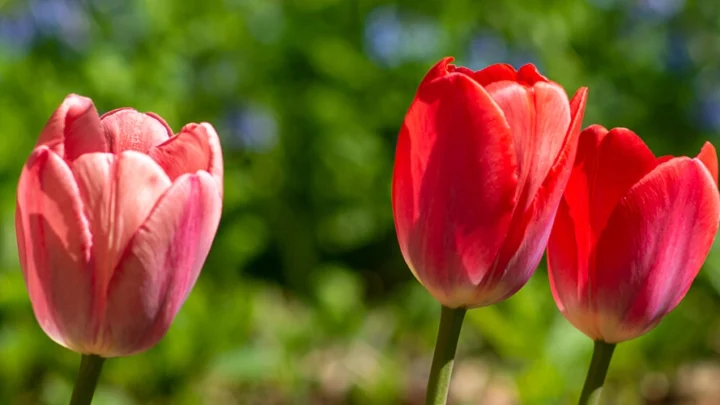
x,y
631,234
481,163
480,166
115,217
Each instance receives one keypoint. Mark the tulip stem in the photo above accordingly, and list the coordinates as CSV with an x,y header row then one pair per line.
x,y
87,379
602,354
451,320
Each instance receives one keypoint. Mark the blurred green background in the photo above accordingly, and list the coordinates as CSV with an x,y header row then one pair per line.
x,y
305,298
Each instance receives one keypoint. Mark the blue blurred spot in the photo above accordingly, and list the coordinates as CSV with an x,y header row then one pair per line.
x,y
520,57
422,38
707,96
253,128
678,57
486,49
658,9
66,20
710,111
392,38
706,108
16,34
383,35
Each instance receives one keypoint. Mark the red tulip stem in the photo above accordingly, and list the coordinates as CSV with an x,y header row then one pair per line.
x,y
602,354
451,320
87,379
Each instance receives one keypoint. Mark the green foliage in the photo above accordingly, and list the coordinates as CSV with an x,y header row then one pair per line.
x,y
305,298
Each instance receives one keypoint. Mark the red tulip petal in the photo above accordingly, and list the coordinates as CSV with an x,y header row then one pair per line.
x,y
118,192
494,73
653,247
439,70
196,147
608,164
528,236
708,157
563,260
453,185
663,159
529,75
539,119
127,129
162,264
74,129
54,248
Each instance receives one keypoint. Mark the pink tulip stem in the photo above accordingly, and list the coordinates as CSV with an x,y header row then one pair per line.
x,y
451,320
602,354
87,379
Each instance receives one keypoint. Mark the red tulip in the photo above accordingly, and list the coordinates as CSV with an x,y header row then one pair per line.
x,y
631,233
480,166
115,217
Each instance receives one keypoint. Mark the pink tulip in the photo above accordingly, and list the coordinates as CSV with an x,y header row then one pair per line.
x,y
115,217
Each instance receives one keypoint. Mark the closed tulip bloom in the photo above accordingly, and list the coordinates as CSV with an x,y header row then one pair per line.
x,y
115,217
631,233
481,162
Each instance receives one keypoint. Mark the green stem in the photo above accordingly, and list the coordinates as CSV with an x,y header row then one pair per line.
x,y
87,379
602,354
451,320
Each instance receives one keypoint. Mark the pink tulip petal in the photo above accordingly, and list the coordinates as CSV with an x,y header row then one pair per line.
x,y
453,185
653,247
127,129
708,156
54,247
529,233
119,192
196,147
539,118
74,129
162,264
